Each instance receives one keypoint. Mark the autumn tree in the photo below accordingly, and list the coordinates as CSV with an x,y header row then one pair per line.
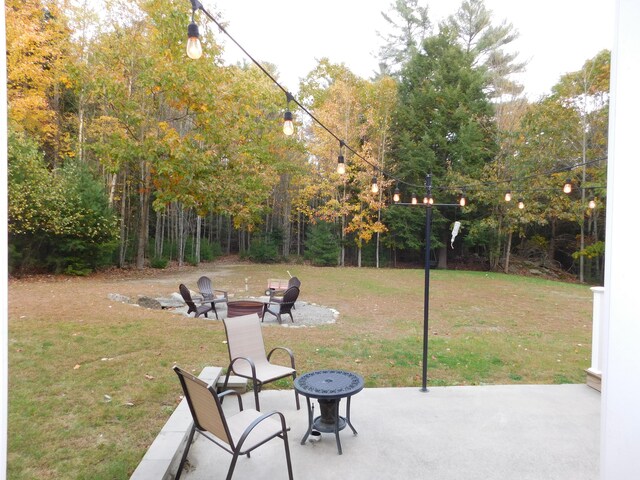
x,y
37,46
567,133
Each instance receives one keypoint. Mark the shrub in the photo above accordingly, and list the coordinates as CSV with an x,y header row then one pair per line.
x,y
159,262
263,251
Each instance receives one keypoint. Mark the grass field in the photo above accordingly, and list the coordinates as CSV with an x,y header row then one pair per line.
x,y
91,383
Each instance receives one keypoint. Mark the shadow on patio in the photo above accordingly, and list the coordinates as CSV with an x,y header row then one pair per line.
x,y
480,432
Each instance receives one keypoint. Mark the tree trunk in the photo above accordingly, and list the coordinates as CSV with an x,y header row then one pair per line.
x,y
180,234
143,224
197,239
123,224
442,255
507,253
551,250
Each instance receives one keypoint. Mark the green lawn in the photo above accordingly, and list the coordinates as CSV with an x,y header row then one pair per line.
x,y
91,383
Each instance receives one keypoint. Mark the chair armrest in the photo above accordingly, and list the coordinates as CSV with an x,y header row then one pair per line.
x,y
256,422
223,292
231,392
274,293
288,350
246,359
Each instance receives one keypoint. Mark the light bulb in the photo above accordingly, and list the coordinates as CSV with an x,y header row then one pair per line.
x,y
507,196
287,127
374,185
396,195
414,200
430,200
194,48
341,166
592,203
520,204
567,186
463,201
425,200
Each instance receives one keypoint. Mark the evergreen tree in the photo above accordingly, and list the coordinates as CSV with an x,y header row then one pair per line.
x,y
322,247
410,25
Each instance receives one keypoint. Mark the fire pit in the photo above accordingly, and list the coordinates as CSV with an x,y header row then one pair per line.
x,y
237,308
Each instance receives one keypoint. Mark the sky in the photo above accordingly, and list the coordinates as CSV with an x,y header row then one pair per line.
x,y
556,36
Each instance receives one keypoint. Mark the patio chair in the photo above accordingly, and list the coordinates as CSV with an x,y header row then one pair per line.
x,y
209,294
238,434
276,295
278,308
197,309
247,355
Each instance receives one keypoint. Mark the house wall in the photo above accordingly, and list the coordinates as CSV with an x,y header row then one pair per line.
x,y
620,434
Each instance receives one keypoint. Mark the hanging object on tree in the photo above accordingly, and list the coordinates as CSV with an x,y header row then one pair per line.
x,y
454,232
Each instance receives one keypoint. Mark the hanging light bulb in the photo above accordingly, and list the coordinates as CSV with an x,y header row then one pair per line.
x,y
341,166
287,126
396,195
430,200
507,196
462,201
414,200
520,203
425,200
194,48
592,203
567,186
374,185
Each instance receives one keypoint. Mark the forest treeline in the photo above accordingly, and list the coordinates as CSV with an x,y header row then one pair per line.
x,y
123,151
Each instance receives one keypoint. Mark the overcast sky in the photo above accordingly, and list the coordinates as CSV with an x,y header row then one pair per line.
x,y
556,36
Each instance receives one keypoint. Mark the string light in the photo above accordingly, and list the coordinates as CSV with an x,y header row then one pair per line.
x,y
341,166
374,185
287,126
396,195
462,201
414,199
520,203
194,48
592,203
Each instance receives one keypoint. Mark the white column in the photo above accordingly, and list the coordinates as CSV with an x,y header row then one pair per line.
x,y
620,433
598,348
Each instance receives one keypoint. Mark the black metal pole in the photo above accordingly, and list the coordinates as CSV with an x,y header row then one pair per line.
x,y
427,268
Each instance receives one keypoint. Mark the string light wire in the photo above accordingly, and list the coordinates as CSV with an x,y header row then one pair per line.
x,y
197,5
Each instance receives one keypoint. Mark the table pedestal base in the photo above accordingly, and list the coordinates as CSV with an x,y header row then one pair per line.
x,y
329,420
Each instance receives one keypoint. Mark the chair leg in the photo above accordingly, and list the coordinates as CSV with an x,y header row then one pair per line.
x,y
256,388
186,452
297,400
233,465
213,307
287,453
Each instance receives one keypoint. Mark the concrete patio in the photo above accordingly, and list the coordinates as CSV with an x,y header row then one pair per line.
x,y
540,432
